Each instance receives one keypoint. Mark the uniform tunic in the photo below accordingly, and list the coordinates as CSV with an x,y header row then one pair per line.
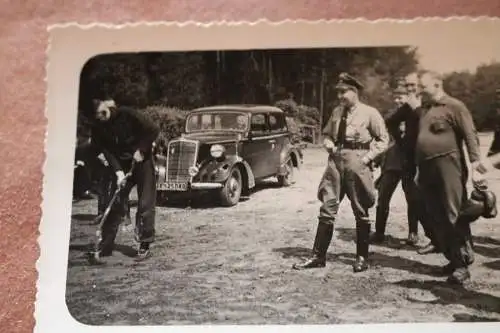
x,y
365,136
444,126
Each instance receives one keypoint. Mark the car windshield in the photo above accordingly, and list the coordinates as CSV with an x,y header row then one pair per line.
x,y
217,121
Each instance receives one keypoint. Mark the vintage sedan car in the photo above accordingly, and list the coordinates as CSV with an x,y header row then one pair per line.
x,y
227,149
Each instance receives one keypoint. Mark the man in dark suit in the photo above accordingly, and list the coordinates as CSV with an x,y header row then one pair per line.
x,y
125,136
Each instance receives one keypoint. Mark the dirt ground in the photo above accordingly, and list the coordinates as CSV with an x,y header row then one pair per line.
x,y
216,265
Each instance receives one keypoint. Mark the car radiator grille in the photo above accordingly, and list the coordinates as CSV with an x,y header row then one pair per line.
x,y
181,156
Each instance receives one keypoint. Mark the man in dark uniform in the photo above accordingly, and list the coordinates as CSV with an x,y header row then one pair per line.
x,y
445,125
125,136
409,115
349,135
394,169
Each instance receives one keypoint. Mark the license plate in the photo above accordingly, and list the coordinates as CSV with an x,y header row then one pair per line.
x,y
173,186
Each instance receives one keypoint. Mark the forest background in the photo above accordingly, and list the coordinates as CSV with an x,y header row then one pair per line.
x,y
300,81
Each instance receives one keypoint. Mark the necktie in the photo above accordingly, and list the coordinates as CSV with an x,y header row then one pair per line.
x,y
342,128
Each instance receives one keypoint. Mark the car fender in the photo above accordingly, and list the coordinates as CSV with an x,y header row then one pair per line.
x,y
290,151
218,171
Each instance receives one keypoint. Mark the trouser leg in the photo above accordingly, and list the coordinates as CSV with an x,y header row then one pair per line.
x,y
388,182
444,193
329,193
409,189
145,178
360,190
110,226
105,189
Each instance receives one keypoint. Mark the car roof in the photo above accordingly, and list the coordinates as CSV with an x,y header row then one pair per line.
x,y
254,108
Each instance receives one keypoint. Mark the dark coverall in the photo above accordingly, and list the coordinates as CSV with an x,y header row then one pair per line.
x,y
118,138
395,168
346,174
444,126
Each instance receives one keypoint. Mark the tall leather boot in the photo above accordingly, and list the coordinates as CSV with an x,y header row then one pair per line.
x,y
362,246
324,235
380,225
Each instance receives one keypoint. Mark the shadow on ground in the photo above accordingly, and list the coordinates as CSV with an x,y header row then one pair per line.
x,y
301,253
452,294
485,251
391,242
83,217
375,260
464,318
485,240
123,249
493,264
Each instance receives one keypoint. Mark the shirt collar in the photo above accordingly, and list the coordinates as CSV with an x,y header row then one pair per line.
x,y
353,107
441,101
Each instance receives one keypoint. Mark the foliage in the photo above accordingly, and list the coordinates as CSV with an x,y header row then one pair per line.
x,y
171,121
308,115
289,107
477,91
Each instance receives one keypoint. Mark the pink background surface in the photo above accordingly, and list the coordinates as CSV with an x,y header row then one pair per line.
x,y
23,44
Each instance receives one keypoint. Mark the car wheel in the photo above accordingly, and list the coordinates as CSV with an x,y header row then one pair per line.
x,y
231,192
161,198
287,178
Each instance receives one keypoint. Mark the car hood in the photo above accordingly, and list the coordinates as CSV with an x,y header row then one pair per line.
x,y
212,138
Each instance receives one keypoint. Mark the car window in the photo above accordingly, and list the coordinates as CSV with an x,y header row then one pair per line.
x,y
277,123
258,124
233,121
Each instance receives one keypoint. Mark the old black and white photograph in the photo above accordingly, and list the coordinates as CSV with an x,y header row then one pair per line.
x,y
286,185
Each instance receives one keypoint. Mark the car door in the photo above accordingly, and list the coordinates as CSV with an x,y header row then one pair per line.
x,y
278,140
256,149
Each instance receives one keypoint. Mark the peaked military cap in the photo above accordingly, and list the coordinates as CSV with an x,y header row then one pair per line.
x,y
347,81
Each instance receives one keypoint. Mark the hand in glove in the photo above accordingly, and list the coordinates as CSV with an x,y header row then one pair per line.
x,y
138,156
120,179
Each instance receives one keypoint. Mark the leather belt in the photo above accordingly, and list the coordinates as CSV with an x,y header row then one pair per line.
x,y
355,145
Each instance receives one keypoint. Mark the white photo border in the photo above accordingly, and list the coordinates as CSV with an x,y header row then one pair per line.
x,y
71,45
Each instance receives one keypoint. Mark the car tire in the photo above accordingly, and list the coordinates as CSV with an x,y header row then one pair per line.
x,y
287,180
231,192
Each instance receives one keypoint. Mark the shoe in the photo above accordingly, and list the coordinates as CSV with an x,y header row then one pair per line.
x,y
360,265
377,238
314,262
412,239
324,235
143,253
429,248
459,276
448,269
96,257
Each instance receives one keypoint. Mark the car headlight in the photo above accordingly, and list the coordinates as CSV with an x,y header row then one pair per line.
x,y
193,171
217,151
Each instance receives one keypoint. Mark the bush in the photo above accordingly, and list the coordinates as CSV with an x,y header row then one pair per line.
x,y
289,106
308,115
171,121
